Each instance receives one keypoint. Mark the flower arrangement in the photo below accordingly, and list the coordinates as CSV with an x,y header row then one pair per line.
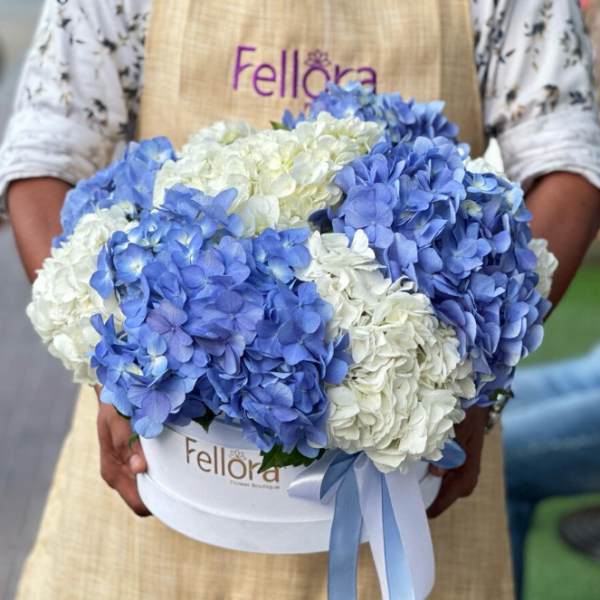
x,y
349,279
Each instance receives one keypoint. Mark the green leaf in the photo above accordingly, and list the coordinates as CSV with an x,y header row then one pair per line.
x,y
277,126
206,420
278,459
132,440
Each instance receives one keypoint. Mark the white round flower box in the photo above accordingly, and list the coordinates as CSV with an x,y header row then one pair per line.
x,y
207,487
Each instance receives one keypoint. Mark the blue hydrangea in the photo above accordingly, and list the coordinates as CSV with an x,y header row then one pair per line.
x,y
130,179
215,323
404,121
462,237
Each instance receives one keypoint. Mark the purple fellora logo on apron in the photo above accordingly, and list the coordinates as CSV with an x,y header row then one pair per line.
x,y
288,76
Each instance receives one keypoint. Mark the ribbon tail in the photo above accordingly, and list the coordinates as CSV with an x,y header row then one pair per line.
x,y
392,509
398,532
345,541
413,527
371,501
397,568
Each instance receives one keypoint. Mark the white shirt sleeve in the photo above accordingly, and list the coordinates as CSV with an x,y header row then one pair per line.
x,y
79,90
535,67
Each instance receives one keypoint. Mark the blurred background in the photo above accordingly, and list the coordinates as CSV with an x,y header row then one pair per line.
x,y
29,448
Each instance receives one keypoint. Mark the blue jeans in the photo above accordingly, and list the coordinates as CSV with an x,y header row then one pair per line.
x,y
551,436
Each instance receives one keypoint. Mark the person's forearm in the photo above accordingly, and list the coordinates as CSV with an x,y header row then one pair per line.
x,y
34,207
566,212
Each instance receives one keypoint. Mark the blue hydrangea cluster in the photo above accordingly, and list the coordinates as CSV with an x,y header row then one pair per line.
x,y
130,180
404,122
462,237
215,323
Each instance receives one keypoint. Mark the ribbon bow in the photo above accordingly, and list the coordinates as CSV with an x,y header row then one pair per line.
x,y
391,508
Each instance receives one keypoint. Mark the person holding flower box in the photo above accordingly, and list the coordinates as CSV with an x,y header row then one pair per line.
x,y
261,72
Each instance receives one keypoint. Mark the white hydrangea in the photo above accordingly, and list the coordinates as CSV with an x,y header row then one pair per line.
x,y
480,165
400,400
221,132
547,264
281,176
63,300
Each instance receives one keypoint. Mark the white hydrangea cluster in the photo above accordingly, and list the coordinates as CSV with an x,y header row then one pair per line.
x,y
221,133
281,176
63,301
400,399
547,264
480,165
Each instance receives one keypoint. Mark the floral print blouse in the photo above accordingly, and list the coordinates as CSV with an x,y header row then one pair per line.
x,y
81,86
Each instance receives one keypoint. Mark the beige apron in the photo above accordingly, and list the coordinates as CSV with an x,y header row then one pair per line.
x,y
250,59
212,60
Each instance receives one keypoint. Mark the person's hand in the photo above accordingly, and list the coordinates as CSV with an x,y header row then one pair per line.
x,y
118,463
460,483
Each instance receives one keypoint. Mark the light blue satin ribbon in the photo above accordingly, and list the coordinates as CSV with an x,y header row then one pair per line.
x,y
453,456
365,495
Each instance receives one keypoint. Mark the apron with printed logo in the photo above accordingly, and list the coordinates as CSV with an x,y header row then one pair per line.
x,y
211,60
250,60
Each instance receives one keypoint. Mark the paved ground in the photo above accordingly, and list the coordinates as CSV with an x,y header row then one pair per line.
x,y
36,400
36,394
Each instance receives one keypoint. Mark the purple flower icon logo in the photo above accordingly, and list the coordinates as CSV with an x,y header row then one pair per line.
x,y
317,58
